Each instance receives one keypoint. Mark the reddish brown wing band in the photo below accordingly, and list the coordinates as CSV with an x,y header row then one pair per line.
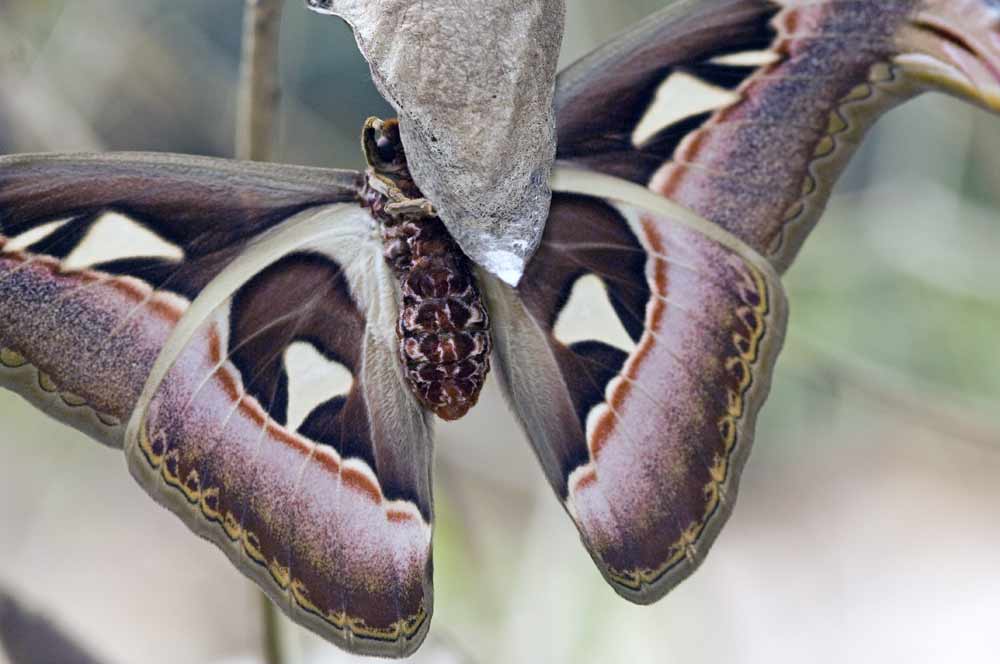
x,y
645,447
331,515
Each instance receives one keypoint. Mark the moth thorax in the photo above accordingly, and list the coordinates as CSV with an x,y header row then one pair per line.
x,y
443,327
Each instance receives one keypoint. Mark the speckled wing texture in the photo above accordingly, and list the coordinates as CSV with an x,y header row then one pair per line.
x,y
642,437
231,326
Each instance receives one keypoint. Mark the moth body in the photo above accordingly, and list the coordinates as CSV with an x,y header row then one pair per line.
x,y
443,326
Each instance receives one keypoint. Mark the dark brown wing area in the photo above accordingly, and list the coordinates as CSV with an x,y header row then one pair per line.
x,y
207,207
603,97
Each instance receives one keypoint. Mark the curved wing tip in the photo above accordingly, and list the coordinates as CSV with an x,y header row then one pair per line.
x,y
647,593
409,636
355,645
650,592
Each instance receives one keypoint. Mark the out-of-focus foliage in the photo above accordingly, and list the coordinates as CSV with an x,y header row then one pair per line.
x,y
866,527
158,75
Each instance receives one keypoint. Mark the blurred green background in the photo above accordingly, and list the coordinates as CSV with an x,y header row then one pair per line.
x,y
867,525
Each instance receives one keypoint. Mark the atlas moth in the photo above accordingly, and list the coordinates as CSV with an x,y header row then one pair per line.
x,y
178,356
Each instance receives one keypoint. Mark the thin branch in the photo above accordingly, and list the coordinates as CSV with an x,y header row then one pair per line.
x,y
258,100
271,631
259,91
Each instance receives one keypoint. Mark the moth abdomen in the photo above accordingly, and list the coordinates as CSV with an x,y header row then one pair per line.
x,y
443,328
443,325
445,347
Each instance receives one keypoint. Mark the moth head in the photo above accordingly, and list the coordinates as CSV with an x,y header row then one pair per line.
x,y
321,6
954,46
383,147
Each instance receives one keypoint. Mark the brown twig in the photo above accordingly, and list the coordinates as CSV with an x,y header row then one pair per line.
x,y
258,99
259,90
271,637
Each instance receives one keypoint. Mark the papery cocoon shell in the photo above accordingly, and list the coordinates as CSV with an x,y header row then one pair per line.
x,y
472,82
